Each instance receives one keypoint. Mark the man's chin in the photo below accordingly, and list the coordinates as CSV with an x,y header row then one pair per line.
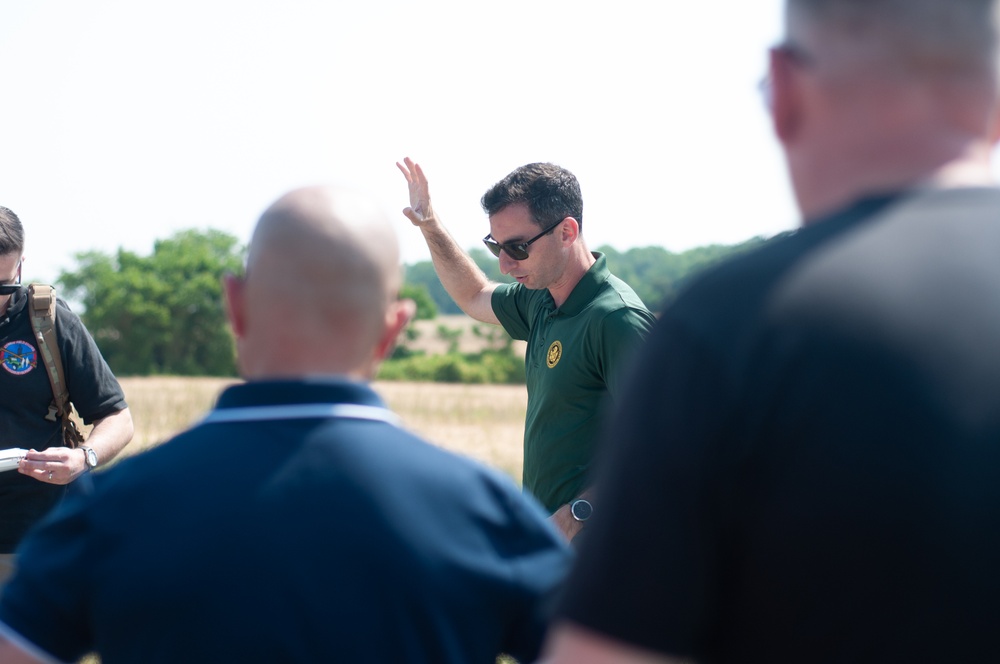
x,y
526,282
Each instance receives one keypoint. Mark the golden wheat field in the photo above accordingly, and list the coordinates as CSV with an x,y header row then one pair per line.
x,y
485,422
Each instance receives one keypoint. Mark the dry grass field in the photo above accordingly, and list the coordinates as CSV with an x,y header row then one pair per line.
x,y
481,421
430,340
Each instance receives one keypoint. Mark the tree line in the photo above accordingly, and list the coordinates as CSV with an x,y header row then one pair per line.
x,y
163,313
655,273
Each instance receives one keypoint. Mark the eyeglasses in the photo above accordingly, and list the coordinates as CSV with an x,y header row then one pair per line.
x,y
796,55
518,251
10,289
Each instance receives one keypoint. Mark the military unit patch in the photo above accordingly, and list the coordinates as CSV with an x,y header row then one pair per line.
x,y
18,357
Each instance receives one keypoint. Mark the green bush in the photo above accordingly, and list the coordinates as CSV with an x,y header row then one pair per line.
x,y
489,366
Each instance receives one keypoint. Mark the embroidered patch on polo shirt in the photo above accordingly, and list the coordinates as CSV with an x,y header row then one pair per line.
x,y
554,354
18,357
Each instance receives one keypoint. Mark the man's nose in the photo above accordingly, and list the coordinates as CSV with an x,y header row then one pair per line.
x,y
506,263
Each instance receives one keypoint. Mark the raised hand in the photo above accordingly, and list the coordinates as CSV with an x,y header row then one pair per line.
x,y
419,210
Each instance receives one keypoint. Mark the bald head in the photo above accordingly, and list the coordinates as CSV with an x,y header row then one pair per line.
x,y
322,278
950,37
877,96
329,245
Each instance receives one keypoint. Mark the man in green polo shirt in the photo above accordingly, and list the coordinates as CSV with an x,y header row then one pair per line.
x,y
580,321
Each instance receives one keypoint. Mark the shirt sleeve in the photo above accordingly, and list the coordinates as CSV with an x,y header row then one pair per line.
x,y
44,601
648,571
624,332
539,559
93,388
511,305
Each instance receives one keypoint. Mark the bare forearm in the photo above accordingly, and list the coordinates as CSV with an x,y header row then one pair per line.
x,y
111,434
459,274
62,465
570,644
564,520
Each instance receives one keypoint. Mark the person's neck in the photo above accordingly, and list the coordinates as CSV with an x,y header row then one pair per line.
x,y
309,360
580,263
834,183
259,373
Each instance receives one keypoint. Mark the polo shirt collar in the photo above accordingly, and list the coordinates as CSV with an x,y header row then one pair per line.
x,y
588,287
310,390
861,208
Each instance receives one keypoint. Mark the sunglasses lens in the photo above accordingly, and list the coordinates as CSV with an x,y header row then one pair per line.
x,y
493,246
515,252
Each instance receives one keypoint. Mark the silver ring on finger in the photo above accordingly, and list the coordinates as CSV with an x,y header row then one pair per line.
x,y
50,474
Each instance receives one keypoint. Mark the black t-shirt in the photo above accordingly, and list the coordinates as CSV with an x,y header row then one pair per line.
x,y
25,395
807,463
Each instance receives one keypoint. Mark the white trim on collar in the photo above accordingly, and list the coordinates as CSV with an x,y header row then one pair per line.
x,y
302,411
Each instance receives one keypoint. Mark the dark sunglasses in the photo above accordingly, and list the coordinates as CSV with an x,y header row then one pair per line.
x,y
10,289
518,251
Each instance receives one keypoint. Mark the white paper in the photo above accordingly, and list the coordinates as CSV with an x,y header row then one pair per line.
x,y
10,457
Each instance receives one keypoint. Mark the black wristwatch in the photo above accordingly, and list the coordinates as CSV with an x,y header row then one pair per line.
x,y
90,456
581,509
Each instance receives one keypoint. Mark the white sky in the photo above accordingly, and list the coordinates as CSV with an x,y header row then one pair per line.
x,y
123,122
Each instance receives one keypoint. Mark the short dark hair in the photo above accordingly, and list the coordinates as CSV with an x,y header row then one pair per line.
x,y
11,232
551,193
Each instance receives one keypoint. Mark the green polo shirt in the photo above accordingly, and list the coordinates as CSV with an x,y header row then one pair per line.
x,y
574,359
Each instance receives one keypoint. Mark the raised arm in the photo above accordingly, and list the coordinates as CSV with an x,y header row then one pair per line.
x,y
459,274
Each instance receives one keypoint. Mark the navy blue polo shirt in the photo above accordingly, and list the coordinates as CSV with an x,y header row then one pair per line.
x,y
303,526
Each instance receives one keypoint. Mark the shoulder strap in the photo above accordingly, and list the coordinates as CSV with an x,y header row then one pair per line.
x,y
42,307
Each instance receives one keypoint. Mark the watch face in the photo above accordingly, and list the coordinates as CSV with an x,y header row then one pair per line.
x,y
91,457
581,510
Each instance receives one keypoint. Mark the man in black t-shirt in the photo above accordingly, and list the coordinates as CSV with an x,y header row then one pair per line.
x,y
40,480
807,463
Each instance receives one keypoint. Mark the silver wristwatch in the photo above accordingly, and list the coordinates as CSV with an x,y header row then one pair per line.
x,y
581,509
90,456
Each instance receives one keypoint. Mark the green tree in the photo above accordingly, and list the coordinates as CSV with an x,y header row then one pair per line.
x,y
488,263
162,313
657,275
426,308
654,273
423,274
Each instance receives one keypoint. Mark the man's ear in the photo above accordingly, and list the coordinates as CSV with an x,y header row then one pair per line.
x,y
569,231
784,97
397,316
234,288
